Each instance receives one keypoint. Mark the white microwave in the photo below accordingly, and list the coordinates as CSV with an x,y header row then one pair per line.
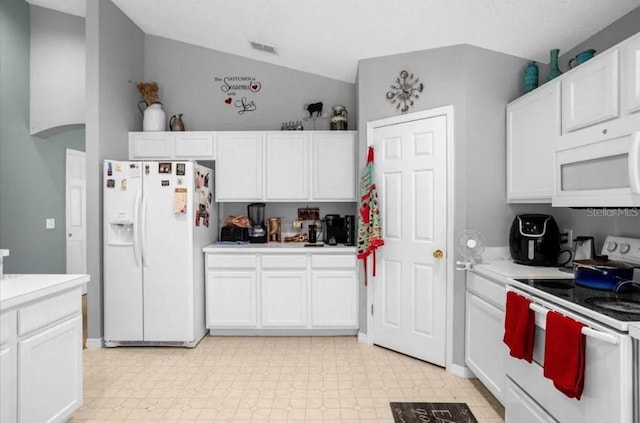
x,y
600,174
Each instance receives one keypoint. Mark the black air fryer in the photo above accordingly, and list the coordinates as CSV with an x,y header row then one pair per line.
x,y
534,240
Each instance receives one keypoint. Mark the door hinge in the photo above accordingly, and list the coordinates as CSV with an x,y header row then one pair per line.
x,y
372,309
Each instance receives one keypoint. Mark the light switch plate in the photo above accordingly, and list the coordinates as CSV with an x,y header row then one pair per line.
x,y
50,223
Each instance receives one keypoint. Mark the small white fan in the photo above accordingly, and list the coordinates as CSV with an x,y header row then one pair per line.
x,y
470,244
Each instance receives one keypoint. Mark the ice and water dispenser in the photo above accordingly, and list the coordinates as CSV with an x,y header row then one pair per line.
x,y
120,227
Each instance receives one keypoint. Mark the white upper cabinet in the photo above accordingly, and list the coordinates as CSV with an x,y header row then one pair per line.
x,y
334,166
191,145
150,145
533,122
590,92
287,167
239,175
263,166
632,71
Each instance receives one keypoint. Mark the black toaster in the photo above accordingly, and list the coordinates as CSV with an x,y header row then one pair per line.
x,y
234,234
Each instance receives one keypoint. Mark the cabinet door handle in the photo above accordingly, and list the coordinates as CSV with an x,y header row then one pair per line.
x,y
634,164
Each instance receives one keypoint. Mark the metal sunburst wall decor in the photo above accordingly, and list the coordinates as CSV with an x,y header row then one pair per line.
x,y
404,91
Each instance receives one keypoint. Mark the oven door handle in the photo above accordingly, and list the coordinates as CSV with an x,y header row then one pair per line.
x,y
587,331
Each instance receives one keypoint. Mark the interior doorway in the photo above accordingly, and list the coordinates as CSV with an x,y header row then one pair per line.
x,y
409,300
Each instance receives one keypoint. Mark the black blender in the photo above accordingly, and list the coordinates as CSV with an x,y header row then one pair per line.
x,y
257,230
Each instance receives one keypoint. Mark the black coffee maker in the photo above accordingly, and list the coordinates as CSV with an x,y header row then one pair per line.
x,y
333,233
534,240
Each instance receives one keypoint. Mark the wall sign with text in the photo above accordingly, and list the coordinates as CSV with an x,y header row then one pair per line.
x,y
237,91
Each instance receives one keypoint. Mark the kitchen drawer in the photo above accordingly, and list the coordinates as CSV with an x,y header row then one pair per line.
x,y
281,261
333,261
48,311
233,261
487,289
7,326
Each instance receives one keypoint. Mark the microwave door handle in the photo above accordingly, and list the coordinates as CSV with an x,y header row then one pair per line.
x,y
634,164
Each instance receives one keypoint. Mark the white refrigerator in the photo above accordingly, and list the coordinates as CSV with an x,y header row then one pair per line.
x,y
157,216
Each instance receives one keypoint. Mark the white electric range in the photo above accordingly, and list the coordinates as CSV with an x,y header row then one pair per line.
x,y
611,367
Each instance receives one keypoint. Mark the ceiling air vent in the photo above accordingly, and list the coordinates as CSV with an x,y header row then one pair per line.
x,y
263,47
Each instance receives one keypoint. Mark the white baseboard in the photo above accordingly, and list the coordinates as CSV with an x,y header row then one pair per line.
x,y
94,342
364,338
460,371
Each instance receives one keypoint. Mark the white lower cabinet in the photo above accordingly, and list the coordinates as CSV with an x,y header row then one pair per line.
x,y
50,369
281,292
284,299
231,299
485,353
8,368
335,299
520,408
41,359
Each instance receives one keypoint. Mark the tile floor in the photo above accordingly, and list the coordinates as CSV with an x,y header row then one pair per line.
x,y
267,379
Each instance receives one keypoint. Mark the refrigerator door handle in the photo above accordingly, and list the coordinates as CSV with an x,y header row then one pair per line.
x,y
136,236
145,254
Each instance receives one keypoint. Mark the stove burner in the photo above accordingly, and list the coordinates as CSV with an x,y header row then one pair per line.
x,y
615,304
554,284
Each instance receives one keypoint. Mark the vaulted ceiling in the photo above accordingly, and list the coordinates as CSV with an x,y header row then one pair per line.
x,y
328,37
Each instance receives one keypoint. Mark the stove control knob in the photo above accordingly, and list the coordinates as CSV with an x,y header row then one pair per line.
x,y
611,246
624,248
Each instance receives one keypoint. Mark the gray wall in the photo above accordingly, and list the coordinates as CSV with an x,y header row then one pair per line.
x,y
32,170
479,94
115,60
185,74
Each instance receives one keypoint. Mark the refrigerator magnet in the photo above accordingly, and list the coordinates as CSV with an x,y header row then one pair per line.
x,y
118,167
111,183
180,181
164,167
109,169
165,183
180,201
146,169
123,185
134,170
180,169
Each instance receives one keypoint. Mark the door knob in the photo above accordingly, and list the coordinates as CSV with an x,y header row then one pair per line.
x,y
437,254
70,235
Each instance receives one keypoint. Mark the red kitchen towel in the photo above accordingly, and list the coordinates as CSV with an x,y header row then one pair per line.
x,y
519,326
564,354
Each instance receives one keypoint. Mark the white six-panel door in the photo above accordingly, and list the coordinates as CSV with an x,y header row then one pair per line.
x,y
409,291
76,225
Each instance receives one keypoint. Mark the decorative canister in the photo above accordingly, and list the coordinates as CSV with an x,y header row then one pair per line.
x,y
339,118
530,77
153,117
554,70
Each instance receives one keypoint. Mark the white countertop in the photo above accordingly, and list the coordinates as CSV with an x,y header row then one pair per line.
x,y
278,247
507,269
16,290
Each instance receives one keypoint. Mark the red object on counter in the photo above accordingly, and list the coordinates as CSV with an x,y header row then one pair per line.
x,y
564,354
519,327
